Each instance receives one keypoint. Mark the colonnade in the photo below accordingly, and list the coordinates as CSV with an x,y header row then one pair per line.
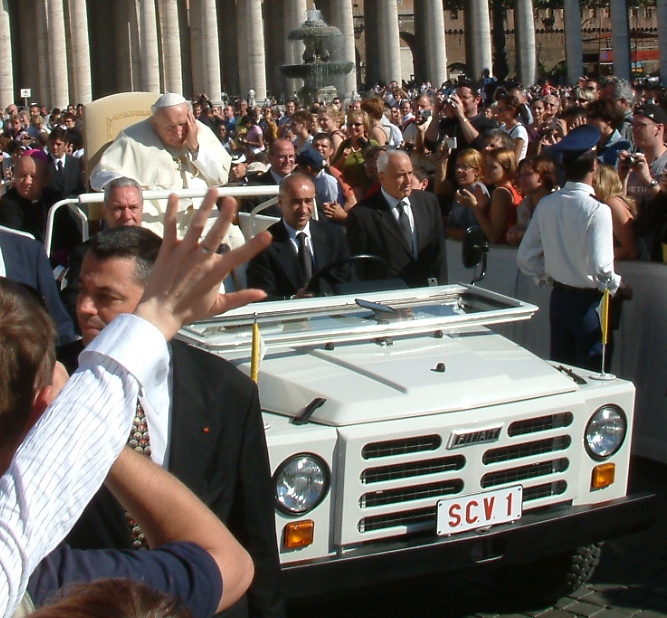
x,y
88,49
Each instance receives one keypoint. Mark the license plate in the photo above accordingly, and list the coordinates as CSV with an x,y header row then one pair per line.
x,y
488,508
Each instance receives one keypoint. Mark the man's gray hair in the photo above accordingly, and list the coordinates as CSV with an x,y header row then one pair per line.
x,y
386,156
622,89
117,183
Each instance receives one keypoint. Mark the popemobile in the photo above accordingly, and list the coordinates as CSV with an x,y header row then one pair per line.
x,y
407,438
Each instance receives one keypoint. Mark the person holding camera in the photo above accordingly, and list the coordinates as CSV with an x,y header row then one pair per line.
x,y
643,170
459,116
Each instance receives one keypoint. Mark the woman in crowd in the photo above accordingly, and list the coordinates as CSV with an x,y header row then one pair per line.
x,y
223,135
581,96
329,119
536,178
496,138
269,126
508,108
606,115
500,172
469,170
349,157
374,107
609,189
254,137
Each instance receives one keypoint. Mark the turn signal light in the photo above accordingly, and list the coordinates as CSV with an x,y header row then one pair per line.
x,y
603,475
298,534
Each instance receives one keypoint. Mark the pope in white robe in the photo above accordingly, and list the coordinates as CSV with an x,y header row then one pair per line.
x,y
171,150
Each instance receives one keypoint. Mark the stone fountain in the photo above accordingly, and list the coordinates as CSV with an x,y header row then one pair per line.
x,y
318,70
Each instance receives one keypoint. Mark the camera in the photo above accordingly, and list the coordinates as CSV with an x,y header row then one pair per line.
x,y
632,160
451,142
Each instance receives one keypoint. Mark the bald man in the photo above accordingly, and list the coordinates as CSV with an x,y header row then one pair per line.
x,y
168,151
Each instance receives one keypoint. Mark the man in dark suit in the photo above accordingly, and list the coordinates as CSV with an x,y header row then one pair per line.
x,y
66,178
300,246
212,437
24,260
282,158
123,205
402,226
26,205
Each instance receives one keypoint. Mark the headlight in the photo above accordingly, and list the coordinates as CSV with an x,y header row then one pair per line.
x,y
301,483
605,432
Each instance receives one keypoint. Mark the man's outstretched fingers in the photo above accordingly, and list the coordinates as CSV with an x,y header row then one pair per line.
x,y
198,222
217,233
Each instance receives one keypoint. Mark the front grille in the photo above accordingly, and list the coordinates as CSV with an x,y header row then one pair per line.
x,y
528,449
404,446
542,423
412,469
524,473
419,517
418,492
398,495
556,488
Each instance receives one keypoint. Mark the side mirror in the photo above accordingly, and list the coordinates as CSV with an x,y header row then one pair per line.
x,y
475,251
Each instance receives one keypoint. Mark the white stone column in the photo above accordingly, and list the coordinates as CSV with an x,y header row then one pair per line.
x,y
430,35
125,46
390,43
57,53
478,38
620,38
524,36
211,49
295,15
256,54
150,65
197,60
25,58
78,27
6,77
171,48
342,18
574,48
242,21
42,52
662,37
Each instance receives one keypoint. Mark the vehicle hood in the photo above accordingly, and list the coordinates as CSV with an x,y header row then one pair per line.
x,y
375,381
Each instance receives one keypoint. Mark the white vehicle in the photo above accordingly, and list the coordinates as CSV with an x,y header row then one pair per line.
x,y
406,438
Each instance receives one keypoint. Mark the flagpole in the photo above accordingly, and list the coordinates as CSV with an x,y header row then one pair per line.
x,y
604,324
254,358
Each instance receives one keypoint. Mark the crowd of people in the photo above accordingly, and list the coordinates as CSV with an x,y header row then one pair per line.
x,y
391,174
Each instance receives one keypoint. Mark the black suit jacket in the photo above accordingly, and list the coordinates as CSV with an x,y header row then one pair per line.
x,y
218,449
277,271
26,262
70,182
69,291
248,203
372,228
21,214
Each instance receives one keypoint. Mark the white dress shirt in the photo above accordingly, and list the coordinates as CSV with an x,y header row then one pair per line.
x,y
292,232
570,240
67,454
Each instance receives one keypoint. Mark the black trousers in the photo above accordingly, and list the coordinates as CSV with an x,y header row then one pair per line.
x,y
576,335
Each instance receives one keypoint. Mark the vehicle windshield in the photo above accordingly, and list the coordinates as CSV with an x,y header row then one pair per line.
x,y
356,317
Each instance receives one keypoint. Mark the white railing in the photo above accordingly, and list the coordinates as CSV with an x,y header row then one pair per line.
x,y
251,223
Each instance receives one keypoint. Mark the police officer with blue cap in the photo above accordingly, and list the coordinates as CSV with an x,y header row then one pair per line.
x,y
569,243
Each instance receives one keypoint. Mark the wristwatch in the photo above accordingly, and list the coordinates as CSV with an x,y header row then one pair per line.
x,y
653,183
